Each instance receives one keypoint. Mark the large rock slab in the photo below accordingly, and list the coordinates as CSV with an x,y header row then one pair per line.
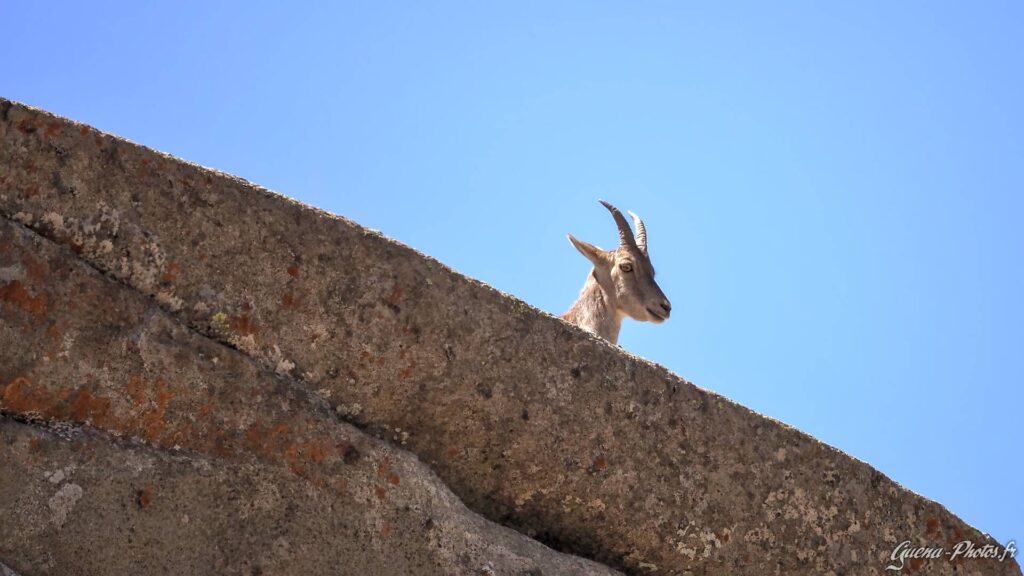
x,y
82,502
194,460
530,421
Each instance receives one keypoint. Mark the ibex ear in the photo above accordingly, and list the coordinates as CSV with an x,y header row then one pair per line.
x,y
596,255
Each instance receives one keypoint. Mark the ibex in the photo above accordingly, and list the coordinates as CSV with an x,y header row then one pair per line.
x,y
621,283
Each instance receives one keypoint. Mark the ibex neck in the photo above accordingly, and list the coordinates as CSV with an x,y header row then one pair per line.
x,y
594,311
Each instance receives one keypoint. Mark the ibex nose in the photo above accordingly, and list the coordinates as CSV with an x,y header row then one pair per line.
x,y
666,306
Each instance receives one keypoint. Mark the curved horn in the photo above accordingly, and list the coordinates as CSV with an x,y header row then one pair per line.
x,y
625,233
641,233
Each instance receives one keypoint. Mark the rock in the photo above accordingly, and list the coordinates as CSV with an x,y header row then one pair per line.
x,y
177,454
531,422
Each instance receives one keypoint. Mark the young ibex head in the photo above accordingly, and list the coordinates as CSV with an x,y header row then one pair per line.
x,y
624,280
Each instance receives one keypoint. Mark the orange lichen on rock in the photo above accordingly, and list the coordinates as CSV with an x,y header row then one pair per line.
x,y
90,408
154,420
171,272
15,294
243,324
34,269
317,450
20,396
136,391
384,472
150,415
144,496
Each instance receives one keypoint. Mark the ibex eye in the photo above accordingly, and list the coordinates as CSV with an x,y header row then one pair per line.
x,y
626,267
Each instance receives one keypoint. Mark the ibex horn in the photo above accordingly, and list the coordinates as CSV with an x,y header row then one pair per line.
x,y
625,234
641,233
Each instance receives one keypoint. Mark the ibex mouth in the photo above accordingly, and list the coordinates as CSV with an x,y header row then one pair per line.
x,y
658,318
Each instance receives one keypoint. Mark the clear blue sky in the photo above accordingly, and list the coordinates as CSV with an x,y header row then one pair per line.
x,y
834,194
